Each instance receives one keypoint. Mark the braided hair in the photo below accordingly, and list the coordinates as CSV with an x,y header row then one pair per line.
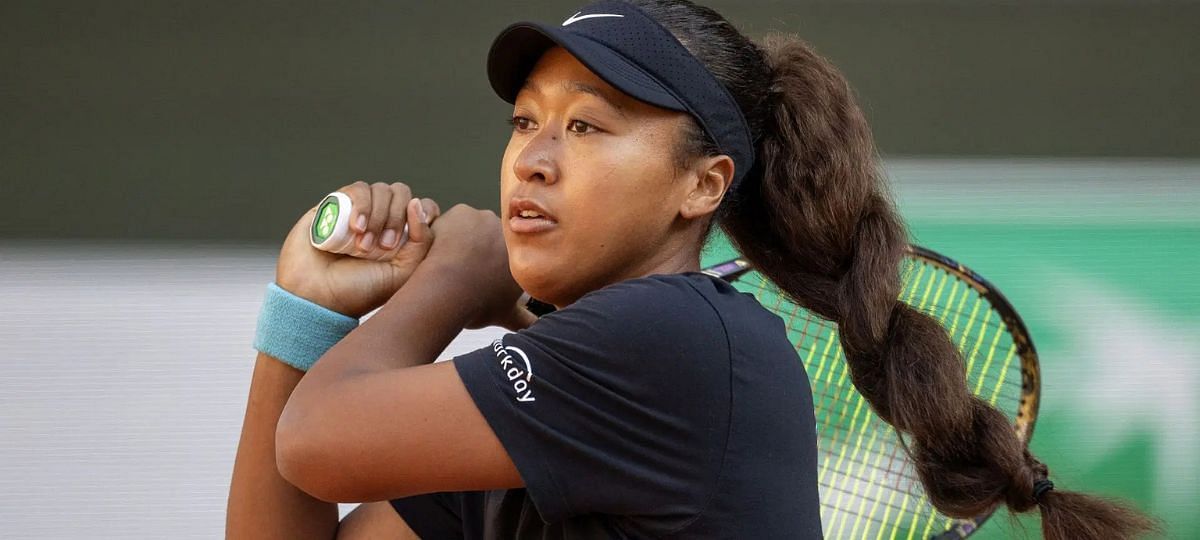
x,y
816,217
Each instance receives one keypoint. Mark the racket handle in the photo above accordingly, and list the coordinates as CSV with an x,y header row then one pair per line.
x,y
330,230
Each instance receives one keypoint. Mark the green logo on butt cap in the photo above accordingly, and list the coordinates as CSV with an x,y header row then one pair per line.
x,y
326,220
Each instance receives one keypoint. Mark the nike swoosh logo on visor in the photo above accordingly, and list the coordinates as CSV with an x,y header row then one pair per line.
x,y
576,17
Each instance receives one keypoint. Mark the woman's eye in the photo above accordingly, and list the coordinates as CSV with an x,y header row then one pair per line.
x,y
520,123
580,127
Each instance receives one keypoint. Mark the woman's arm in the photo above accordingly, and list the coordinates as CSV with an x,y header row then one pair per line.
x,y
373,419
264,505
261,503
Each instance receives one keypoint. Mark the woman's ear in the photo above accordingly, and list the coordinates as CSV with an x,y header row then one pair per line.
x,y
713,175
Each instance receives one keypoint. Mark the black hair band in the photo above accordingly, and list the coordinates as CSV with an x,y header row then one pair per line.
x,y
1040,488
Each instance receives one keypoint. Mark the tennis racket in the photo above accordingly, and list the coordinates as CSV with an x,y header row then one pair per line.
x,y
868,487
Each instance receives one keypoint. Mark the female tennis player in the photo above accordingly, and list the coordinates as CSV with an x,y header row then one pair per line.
x,y
656,401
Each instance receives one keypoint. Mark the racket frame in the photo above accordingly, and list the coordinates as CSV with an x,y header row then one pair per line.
x,y
1031,384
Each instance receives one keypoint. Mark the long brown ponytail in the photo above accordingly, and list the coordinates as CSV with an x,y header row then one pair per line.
x,y
816,217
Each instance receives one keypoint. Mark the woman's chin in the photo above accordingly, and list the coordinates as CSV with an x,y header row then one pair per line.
x,y
546,282
535,276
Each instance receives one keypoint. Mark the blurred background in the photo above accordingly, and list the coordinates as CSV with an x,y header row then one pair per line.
x,y
154,154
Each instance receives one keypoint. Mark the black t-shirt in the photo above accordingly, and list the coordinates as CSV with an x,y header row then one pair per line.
x,y
670,406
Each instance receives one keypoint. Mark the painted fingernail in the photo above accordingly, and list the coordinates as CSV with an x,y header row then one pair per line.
x,y
367,241
388,239
361,222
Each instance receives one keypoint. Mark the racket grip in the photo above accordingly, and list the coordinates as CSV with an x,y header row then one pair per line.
x,y
330,230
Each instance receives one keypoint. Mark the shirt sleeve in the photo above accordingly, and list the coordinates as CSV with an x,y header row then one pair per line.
x,y
441,515
617,404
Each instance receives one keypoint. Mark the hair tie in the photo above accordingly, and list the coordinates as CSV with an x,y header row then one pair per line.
x,y
1040,488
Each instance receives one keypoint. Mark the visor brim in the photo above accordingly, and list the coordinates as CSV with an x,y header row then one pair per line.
x,y
517,49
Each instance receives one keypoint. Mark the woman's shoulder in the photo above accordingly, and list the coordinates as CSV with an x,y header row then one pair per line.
x,y
658,296
667,310
686,297
671,290
691,301
669,314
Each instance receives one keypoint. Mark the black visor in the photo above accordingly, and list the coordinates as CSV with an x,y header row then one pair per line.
x,y
634,54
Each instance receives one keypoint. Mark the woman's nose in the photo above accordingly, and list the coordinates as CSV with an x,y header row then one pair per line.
x,y
538,160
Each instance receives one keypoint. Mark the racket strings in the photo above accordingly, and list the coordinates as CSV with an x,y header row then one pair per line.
x,y
869,488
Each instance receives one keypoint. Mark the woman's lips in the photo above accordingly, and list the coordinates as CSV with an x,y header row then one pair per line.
x,y
528,216
526,225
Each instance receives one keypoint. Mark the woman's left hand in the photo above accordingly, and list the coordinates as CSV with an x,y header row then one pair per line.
x,y
353,285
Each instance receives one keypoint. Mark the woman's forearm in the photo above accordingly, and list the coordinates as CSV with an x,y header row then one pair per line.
x,y
411,329
261,503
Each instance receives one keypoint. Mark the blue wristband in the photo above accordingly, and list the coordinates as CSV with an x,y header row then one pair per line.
x,y
297,331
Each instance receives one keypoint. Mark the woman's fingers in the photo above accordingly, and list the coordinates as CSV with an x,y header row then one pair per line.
x,y
393,228
381,201
432,210
381,212
419,233
420,237
360,199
